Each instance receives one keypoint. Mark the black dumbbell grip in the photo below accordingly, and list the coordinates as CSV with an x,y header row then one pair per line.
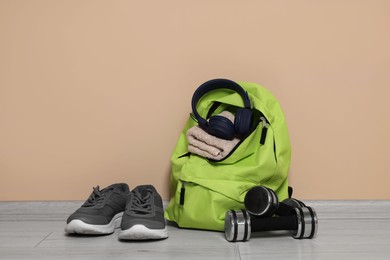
x,y
274,223
284,210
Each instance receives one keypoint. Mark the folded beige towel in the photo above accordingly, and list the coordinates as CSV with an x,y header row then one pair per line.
x,y
209,146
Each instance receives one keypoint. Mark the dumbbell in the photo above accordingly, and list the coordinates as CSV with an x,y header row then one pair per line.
x,y
239,224
263,202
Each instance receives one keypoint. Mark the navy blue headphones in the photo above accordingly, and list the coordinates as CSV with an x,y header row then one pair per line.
x,y
220,126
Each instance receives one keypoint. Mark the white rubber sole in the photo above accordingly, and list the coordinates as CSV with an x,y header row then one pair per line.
x,y
140,232
77,226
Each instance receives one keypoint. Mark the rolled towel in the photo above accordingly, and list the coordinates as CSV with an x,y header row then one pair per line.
x,y
209,146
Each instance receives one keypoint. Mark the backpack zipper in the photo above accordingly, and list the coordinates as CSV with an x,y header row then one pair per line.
x,y
184,155
182,192
264,130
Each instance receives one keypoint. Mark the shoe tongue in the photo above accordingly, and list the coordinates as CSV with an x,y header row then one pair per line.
x,y
144,192
119,186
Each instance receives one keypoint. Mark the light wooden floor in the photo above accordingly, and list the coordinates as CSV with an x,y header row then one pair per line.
x,y
347,230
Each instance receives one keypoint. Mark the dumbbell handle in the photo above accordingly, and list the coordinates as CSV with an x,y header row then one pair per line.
x,y
286,209
274,223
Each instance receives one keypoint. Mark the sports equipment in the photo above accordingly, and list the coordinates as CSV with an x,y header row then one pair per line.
x,y
287,206
239,224
261,201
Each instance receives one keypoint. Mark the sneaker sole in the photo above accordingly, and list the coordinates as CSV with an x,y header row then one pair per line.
x,y
77,226
140,232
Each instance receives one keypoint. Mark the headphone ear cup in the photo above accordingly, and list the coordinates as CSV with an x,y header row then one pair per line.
x,y
243,121
221,127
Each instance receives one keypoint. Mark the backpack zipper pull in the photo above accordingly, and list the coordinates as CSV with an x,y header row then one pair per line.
x,y
264,130
182,192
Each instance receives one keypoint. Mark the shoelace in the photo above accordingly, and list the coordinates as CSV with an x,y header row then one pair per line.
x,y
96,196
141,203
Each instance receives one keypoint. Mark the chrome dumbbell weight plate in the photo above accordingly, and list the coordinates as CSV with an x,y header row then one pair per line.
x,y
307,223
237,225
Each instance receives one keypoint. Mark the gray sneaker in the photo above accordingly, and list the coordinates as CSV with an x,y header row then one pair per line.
x,y
144,215
101,213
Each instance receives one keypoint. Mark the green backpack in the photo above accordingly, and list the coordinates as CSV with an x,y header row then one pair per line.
x,y
203,189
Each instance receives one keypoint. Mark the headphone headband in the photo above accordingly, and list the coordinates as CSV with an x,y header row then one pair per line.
x,y
212,85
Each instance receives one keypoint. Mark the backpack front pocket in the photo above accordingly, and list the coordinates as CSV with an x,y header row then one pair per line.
x,y
204,206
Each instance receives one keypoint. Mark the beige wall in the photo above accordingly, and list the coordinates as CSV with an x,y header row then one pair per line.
x,y
96,92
